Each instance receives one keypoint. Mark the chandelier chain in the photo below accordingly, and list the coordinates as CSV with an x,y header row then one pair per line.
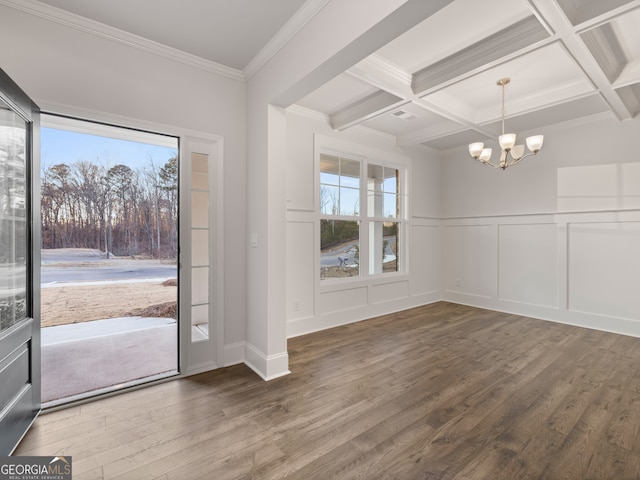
x,y
502,111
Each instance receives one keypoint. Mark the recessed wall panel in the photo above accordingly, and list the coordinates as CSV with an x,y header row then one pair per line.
x,y
528,264
424,264
604,269
301,267
470,259
341,300
630,173
388,292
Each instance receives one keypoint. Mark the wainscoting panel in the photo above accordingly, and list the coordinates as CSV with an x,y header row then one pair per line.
x,y
580,268
389,291
344,299
604,269
528,263
301,267
470,259
425,264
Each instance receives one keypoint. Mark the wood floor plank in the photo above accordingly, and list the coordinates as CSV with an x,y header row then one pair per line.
x,y
438,392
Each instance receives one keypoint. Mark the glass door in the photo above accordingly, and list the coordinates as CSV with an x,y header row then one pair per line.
x,y
19,270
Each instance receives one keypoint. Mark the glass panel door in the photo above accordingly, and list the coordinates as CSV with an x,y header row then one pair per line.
x,y
19,330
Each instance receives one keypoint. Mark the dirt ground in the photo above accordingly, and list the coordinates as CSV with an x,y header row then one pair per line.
x,y
75,304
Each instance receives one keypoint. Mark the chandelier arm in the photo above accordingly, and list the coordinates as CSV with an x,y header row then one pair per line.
x,y
491,164
516,161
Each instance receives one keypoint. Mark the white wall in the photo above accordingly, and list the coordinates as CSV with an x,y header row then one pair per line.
x,y
65,70
556,237
309,59
313,306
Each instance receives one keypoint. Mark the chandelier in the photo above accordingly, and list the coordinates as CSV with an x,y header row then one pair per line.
x,y
511,153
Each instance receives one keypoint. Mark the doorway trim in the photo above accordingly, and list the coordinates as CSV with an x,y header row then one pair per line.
x,y
189,140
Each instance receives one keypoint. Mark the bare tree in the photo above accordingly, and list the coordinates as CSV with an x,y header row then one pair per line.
x,y
117,209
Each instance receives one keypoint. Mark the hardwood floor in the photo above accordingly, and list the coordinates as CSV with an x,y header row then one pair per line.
x,y
437,392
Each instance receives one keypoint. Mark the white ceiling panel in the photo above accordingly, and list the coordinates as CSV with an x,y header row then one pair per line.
x,y
464,137
627,30
408,119
579,11
453,28
539,79
580,108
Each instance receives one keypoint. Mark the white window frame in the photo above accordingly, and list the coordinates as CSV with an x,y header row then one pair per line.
x,y
366,157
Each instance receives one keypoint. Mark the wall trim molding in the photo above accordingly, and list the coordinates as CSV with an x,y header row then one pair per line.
x,y
98,29
541,214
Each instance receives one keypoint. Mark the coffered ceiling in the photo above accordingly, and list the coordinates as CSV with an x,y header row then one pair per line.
x,y
436,84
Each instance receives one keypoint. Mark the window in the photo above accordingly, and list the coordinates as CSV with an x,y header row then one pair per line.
x,y
354,242
383,216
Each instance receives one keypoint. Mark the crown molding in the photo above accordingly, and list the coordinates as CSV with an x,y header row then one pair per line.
x,y
98,29
378,64
309,113
303,16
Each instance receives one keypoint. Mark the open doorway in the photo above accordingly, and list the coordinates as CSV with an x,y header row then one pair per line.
x,y
109,201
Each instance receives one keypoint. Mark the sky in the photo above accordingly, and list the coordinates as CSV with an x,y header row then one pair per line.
x,y
62,146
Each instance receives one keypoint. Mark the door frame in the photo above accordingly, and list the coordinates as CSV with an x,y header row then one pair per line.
x,y
193,358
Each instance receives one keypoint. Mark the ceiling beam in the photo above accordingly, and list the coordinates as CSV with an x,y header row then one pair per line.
x,y
313,56
375,104
555,17
478,56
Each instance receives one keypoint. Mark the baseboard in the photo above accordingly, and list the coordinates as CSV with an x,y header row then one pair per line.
x,y
233,354
310,324
267,367
200,368
603,323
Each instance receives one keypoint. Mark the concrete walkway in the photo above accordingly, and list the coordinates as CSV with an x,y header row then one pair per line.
x,y
99,328
88,358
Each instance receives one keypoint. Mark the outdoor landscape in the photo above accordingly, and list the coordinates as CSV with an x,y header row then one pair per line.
x,y
109,213
96,219
65,303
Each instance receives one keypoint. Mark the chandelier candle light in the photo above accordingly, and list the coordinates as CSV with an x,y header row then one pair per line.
x,y
507,143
